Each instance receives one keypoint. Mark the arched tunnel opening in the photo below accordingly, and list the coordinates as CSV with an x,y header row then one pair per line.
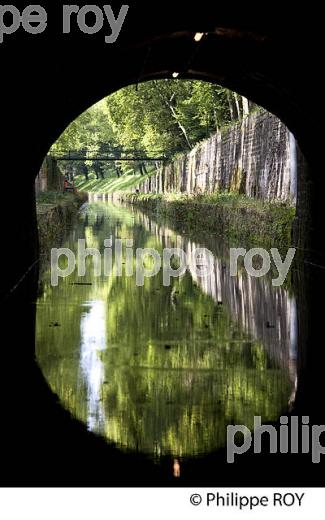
x,y
244,62
117,351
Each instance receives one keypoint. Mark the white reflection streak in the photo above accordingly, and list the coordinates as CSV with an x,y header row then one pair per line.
x,y
93,340
293,347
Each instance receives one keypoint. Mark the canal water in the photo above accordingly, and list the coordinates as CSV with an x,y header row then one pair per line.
x,y
162,370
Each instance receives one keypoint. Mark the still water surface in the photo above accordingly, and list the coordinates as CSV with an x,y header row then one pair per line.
x,y
164,370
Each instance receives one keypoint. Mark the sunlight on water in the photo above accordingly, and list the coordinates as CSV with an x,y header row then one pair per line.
x,y
93,340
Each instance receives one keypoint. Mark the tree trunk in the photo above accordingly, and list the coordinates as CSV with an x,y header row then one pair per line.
x,y
118,170
85,172
171,108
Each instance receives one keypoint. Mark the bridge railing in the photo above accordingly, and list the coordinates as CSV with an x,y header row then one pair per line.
x,y
108,155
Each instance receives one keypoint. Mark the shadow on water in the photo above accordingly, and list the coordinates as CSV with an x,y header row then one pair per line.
x,y
163,370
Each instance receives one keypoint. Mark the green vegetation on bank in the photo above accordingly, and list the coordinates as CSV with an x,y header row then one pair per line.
x,y
54,197
237,217
111,184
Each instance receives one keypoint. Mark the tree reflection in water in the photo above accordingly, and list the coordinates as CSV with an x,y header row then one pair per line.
x,y
164,370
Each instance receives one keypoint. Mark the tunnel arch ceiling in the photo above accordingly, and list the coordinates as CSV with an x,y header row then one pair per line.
x,y
239,60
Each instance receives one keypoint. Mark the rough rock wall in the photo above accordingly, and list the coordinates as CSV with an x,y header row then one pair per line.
x,y
50,177
252,158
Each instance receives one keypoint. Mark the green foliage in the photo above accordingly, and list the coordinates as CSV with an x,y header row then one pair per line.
x,y
125,182
168,116
54,197
87,131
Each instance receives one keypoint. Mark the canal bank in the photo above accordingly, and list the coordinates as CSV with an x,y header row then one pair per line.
x,y
56,213
234,217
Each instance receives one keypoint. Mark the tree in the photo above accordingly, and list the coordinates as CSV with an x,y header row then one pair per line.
x,y
98,169
156,117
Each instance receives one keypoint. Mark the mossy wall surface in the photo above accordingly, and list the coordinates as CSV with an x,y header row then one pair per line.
x,y
252,157
239,219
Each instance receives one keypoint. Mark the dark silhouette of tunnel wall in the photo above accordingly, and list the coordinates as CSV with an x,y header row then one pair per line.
x,y
46,82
